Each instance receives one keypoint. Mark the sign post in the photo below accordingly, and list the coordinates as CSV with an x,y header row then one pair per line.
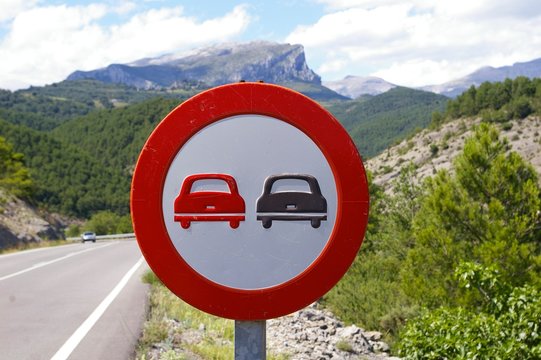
x,y
249,201
250,340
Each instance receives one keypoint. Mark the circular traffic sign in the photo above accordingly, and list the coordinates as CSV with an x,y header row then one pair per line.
x,y
249,201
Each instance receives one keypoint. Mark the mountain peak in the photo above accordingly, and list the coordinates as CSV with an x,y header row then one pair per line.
x,y
530,69
355,86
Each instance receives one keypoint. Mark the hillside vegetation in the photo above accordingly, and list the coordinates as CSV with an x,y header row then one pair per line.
x,y
496,102
94,122
116,136
14,176
378,122
44,108
451,265
65,178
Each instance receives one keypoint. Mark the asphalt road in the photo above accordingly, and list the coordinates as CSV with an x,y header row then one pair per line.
x,y
80,301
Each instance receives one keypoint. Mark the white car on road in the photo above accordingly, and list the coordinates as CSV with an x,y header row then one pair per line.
x,y
88,236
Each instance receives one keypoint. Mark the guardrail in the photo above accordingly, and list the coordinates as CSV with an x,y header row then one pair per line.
x,y
106,237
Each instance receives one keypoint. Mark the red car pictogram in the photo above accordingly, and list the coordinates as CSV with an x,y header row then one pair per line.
x,y
209,205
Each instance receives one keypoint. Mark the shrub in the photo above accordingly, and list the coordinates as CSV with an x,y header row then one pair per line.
x,y
107,222
520,108
434,150
507,126
508,325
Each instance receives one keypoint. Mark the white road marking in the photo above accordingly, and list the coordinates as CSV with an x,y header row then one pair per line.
x,y
30,251
65,351
45,263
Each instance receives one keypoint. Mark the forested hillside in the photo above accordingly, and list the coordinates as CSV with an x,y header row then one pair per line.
x,y
451,265
80,139
65,178
377,122
496,102
38,111
44,108
116,136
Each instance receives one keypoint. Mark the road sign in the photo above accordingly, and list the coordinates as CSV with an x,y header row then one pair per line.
x,y
249,201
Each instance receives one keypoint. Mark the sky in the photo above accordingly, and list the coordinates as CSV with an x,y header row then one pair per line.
x,y
410,43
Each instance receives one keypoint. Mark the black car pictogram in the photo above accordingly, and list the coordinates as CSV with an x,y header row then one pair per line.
x,y
291,205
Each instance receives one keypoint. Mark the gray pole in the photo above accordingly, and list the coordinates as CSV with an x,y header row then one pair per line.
x,y
250,340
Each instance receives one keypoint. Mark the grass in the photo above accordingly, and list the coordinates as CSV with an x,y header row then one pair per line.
x,y
344,346
172,320
34,245
184,331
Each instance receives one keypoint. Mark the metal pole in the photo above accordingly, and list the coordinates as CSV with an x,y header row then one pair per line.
x,y
250,340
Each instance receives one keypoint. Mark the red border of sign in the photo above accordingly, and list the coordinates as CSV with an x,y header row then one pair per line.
x,y
211,106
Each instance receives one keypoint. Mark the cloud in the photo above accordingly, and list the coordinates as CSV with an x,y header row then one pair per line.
x,y
420,42
10,8
45,44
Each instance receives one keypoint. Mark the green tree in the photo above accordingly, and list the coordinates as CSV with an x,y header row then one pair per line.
x,y
520,107
108,222
487,212
14,176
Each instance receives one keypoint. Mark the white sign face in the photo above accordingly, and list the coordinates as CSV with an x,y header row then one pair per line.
x,y
250,237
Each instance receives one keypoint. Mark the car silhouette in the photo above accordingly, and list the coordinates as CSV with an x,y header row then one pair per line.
x,y
291,205
209,205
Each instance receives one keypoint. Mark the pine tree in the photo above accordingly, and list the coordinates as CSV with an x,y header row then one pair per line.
x,y
14,176
486,213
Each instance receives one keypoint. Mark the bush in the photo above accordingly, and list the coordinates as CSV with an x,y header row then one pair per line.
x,y
73,230
368,293
107,222
520,108
506,126
508,325
434,150
493,116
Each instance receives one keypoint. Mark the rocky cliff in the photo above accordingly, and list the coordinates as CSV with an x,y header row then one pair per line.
x,y
20,223
220,64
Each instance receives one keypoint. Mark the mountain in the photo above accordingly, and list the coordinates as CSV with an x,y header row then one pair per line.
x,y
530,69
216,65
355,86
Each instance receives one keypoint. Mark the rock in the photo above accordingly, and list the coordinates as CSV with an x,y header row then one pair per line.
x,y
319,335
311,333
349,331
373,335
380,346
21,223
